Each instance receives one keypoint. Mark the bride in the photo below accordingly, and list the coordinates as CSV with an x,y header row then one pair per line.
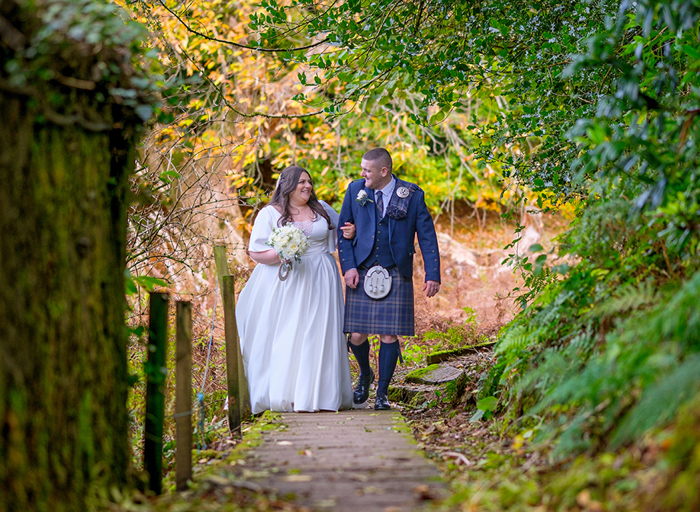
x,y
291,331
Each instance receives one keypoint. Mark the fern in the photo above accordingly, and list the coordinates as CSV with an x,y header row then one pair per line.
x,y
628,298
660,401
514,340
589,386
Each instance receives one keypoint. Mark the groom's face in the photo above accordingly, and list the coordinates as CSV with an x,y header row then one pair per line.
x,y
376,177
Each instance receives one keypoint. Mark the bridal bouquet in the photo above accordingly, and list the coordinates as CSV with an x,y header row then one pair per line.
x,y
290,243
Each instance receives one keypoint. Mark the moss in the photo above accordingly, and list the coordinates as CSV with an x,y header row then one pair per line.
x,y
443,355
406,395
401,426
418,399
268,421
417,375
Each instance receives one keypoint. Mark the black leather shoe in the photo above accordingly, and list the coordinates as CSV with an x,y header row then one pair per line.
x,y
381,403
361,392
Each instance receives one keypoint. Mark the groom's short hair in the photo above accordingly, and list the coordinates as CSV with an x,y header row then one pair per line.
x,y
381,155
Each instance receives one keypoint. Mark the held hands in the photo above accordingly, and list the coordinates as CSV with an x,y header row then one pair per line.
x,y
430,288
348,230
352,278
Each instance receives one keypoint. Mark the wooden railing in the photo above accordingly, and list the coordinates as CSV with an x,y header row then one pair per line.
x,y
156,373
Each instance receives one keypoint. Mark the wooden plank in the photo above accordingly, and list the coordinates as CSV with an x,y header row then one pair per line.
x,y
183,395
233,355
377,444
156,372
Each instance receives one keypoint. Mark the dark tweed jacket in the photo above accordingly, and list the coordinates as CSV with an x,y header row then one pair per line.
x,y
408,217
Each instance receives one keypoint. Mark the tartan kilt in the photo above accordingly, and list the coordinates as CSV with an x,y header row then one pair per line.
x,y
392,315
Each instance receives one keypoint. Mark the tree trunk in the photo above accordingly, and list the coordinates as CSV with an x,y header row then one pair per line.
x,y
74,88
63,382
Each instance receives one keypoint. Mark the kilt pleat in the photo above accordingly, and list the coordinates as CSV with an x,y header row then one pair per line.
x,y
392,315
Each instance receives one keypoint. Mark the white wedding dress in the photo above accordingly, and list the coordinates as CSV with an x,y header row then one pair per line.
x,y
294,350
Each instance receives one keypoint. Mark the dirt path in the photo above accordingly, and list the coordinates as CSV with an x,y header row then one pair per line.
x,y
358,460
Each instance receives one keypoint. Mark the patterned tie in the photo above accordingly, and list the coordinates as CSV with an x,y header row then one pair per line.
x,y
380,203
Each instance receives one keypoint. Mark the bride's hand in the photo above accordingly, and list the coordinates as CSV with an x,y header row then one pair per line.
x,y
348,230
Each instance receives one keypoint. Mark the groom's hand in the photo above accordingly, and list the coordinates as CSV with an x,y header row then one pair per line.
x,y
431,288
352,278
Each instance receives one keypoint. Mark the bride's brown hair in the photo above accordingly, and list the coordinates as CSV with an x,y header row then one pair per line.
x,y
286,184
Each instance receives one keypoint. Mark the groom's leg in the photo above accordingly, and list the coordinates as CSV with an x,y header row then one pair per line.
x,y
360,349
389,351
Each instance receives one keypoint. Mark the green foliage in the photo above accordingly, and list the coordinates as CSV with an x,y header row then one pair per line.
x,y
414,354
83,49
485,408
682,463
660,400
458,336
591,102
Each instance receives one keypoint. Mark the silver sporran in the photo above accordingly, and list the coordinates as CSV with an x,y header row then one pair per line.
x,y
377,282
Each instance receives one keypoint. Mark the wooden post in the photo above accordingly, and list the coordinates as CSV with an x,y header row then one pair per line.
x,y
223,270
221,264
156,373
233,354
183,395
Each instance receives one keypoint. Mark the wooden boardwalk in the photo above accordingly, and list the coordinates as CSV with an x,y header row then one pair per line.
x,y
360,460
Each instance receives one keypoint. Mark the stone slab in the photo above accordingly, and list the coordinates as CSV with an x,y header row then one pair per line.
x,y
438,375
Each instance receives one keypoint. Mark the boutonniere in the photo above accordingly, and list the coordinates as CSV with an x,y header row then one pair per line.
x,y
363,198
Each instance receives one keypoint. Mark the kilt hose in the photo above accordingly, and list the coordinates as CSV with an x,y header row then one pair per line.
x,y
392,315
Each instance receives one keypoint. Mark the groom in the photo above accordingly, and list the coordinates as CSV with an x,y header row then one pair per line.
x,y
378,266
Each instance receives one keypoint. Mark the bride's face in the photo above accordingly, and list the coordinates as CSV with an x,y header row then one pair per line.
x,y
302,193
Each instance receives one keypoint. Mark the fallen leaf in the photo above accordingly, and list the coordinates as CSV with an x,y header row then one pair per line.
x,y
297,478
424,492
583,498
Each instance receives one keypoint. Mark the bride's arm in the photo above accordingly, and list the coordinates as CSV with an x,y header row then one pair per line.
x,y
348,229
266,257
258,250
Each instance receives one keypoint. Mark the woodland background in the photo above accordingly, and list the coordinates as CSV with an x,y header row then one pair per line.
x,y
580,116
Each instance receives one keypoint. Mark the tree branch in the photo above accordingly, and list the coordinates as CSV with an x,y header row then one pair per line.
x,y
238,45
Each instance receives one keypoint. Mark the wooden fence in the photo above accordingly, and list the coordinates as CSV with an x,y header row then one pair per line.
x,y
156,373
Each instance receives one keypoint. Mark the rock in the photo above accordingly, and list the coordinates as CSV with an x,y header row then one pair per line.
x,y
434,374
409,395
